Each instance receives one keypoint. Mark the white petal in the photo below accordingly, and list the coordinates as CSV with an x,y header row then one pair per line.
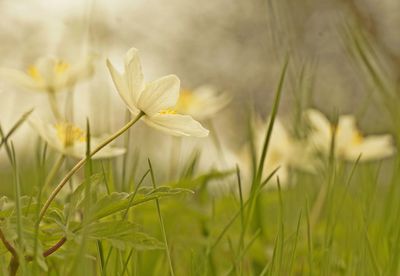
x,y
122,87
45,66
81,70
282,173
319,122
346,131
176,124
78,150
21,79
321,133
47,132
133,74
207,102
372,148
159,95
279,137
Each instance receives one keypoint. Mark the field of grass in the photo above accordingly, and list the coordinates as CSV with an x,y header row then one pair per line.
x,y
304,193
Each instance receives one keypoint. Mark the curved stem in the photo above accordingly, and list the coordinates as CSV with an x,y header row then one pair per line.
x,y
14,263
8,245
82,162
55,247
49,251
54,106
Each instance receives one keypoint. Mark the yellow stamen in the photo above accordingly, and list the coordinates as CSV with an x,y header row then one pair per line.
x,y
186,100
357,138
168,111
60,67
69,134
34,73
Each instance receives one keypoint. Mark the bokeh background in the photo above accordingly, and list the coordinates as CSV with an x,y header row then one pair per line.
x,y
237,46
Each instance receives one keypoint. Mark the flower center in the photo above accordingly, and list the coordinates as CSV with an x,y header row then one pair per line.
x,y
168,111
59,67
357,138
34,73
69,134
186,100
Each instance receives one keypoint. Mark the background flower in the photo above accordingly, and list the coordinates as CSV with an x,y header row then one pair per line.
x,y
70,140
349,142
202,103
49,74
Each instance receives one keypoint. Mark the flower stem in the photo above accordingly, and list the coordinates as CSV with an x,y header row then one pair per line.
x,y
318,205
82,162
7,244
14,264
54,106
160,218
53,171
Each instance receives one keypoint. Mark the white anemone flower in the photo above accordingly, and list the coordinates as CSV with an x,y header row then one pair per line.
x,y
202,103
50,75
284,152
155,99
70,140
349,142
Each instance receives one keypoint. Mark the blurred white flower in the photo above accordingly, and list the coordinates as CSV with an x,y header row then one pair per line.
x,y
284,152
224,162
349,143
202,103
49,74
155,99
71,140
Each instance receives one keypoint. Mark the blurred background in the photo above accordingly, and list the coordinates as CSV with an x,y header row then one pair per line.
x,y
237,46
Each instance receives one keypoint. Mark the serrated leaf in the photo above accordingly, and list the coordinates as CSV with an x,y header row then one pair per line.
x,y
8,206
163,191
77,197
117,202
198,181
122,234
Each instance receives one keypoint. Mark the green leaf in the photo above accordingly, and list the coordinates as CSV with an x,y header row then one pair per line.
x,y
123,235
202,179
117,202
77,198
7,206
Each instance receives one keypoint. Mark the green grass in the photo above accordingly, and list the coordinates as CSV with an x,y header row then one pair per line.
x,y
356,233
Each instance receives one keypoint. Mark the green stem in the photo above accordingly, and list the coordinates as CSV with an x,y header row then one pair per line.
x,y
54,171
160,218
175,156
318,205
83,161
54,106
217,141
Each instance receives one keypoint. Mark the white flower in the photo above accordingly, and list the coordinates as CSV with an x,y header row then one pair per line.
x,y
349,143
50,74
284,152
71,140
155,99
202,103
